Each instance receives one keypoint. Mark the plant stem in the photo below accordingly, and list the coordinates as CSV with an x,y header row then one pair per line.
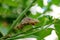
x,y
19,18
32,31
24,35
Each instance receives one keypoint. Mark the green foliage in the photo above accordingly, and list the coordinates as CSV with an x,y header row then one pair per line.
x,y
40,2
13,11
10,2
43,33
56,2
57,28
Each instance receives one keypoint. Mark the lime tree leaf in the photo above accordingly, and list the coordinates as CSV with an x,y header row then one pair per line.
x,y
57,28
40,3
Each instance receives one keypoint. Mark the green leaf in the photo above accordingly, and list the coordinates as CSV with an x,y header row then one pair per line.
x,y
34,16
43,33
28,2
57,28
7,13
11,3
40,3
43,20
0,1
56,2
26,28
